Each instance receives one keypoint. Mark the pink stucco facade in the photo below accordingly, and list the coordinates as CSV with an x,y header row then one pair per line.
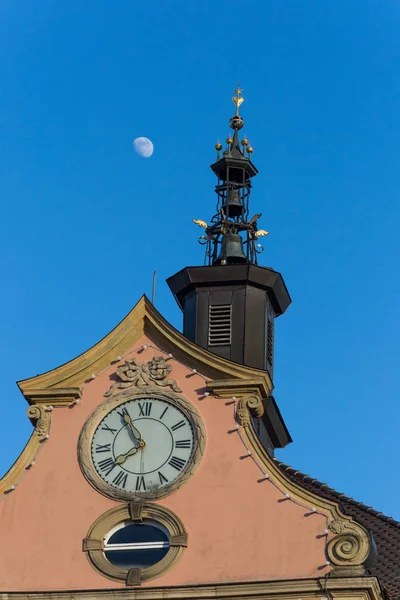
x,y
240,528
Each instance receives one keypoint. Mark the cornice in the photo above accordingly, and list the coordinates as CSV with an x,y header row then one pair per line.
x,y
142,319
226,388
78,370
363,588
53,396
308,498
349,545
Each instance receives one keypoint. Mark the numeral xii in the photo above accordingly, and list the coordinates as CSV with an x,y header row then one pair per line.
x,y
145,409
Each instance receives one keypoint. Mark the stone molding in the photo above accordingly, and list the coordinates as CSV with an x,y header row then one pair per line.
x,y
345,588
53,396
350,548
226,388
40,416
143,319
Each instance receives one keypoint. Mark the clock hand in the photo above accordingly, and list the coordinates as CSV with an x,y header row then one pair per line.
x,y
136,433
121,458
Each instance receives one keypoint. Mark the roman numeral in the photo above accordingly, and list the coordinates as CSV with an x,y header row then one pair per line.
x,y
121,479
182,443
178,425
103,448
162,478
106,465
110,429
145,409
123,412
177,463
140,483
163,412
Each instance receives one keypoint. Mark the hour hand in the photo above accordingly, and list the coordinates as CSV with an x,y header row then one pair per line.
x,y
135,431
121,458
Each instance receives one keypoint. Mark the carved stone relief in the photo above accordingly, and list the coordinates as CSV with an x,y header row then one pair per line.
x,y
350,549
135,374
247,406
40,417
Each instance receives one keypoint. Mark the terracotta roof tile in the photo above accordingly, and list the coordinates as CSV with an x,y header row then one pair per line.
x,y
385,530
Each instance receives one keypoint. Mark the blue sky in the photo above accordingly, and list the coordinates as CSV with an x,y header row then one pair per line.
x,y
85,221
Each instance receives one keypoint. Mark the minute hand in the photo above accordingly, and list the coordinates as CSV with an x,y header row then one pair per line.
x,y
135,432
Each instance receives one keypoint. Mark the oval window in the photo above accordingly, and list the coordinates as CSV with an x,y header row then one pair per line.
x,y
136,545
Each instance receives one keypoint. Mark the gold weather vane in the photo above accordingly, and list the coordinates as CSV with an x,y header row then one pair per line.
x,y
238,99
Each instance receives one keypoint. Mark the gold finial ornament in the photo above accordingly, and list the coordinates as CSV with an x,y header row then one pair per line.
x,y
250,149
238,99
245,141
218,146
229,140
237,122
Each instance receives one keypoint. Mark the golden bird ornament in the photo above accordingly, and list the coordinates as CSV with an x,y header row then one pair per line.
x,y
255,218
261,233
200,223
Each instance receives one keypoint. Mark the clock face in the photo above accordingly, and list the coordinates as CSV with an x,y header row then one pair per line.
x,y
143,445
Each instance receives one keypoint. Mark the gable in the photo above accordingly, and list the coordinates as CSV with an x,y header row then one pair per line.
x,y
244,520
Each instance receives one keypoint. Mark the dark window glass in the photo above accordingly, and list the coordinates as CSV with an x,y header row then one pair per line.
x,y
137,533
135,559
139,557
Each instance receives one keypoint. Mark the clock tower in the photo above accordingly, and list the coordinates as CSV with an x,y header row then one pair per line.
x,y
151,472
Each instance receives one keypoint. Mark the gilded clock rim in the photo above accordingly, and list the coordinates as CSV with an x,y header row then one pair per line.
x,y
92,422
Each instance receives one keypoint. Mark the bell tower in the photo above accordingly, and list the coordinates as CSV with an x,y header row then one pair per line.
x,y
230,304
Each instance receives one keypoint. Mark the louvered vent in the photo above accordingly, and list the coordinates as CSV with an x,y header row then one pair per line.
x,y
220,325
270,344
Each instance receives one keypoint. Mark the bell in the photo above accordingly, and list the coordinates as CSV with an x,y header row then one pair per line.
x,y
233,207
231,250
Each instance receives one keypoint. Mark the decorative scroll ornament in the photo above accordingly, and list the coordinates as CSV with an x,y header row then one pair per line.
x,y
40,416
351,547
247,406
135,374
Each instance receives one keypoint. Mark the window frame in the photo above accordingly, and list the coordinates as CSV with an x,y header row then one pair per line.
x,y
94,543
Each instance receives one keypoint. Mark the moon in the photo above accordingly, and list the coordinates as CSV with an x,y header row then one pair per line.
x,y
143,146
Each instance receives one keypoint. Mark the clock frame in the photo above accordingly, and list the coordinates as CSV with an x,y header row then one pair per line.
x,y
85,442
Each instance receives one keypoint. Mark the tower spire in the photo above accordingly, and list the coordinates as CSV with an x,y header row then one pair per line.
x,y
230,303
231,237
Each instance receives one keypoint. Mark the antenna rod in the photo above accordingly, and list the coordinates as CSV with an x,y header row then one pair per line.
x,y
153,293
